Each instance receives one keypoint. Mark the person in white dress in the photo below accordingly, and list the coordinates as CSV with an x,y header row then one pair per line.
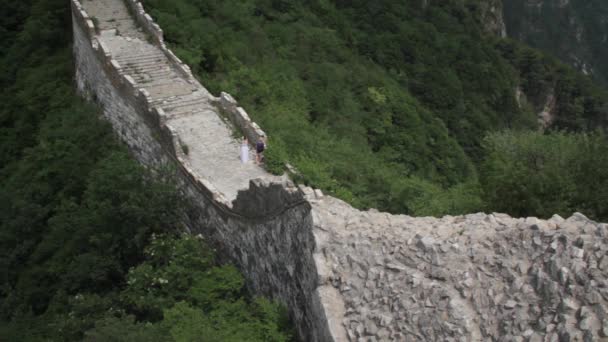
x,y
244,151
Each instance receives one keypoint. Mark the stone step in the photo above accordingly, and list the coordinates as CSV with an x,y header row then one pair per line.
x,y
169,90
148,62
181,114
172,99
145,62
140,50
185,100
118,24
166,90
113,20
187,103
167,100
145,81
150,68
153,75
140,58
203,110
174,82
177,101
159,62
163,82
155,71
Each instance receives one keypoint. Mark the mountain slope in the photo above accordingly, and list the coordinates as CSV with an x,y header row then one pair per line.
x,y
576,31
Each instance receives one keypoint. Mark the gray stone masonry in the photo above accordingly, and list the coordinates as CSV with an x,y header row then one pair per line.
x,y
213,151
344,274
476,277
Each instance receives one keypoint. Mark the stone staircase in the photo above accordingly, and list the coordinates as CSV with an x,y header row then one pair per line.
x,y
213,147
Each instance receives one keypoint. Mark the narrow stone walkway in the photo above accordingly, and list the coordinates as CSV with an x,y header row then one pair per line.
x,y
213,150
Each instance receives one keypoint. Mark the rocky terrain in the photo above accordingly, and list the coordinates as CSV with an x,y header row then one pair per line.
x,y
492,17
467,278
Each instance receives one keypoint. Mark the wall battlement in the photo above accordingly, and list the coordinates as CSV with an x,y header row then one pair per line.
x,y
344,274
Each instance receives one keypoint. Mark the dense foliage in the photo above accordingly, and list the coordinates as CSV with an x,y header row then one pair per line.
x,y
528,173
88,238
383,103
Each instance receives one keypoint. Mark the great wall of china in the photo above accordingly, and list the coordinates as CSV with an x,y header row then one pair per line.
x,y
344,274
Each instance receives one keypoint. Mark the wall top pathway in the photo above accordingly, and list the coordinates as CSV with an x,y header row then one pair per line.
x,y
212,149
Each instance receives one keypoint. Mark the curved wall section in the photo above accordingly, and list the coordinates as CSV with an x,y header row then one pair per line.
x,y
266,230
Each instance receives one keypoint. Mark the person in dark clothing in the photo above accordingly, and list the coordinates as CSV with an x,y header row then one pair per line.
x,y
260,146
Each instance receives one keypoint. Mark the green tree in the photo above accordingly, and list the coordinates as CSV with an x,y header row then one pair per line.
x,y
532,174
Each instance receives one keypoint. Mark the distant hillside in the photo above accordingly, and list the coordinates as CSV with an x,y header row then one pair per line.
x,y
576,31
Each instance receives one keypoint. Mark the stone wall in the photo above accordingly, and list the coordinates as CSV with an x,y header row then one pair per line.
x,y
239,117
477,277
350,275
99,79
266,230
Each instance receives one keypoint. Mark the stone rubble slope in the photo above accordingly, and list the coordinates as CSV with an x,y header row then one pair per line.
x,y
476,277
213,150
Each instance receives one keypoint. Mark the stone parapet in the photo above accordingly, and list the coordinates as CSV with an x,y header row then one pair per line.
x,y
239,117
156,35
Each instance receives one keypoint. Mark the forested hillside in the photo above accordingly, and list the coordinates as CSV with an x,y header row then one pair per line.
x,y
90,247
575,31
388,104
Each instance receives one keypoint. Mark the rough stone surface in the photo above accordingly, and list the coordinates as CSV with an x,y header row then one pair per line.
x,y
473,278
492,17
344,274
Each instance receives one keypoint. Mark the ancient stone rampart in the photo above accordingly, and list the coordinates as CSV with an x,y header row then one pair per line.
x,y
267,229
345,274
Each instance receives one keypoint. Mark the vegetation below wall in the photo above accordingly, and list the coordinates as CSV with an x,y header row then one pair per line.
x,y
89,248
385,104
528,172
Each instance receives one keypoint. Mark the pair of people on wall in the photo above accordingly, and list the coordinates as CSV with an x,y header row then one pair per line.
x,y
260,146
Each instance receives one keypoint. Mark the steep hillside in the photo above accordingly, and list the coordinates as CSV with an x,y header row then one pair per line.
x,y
576,31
